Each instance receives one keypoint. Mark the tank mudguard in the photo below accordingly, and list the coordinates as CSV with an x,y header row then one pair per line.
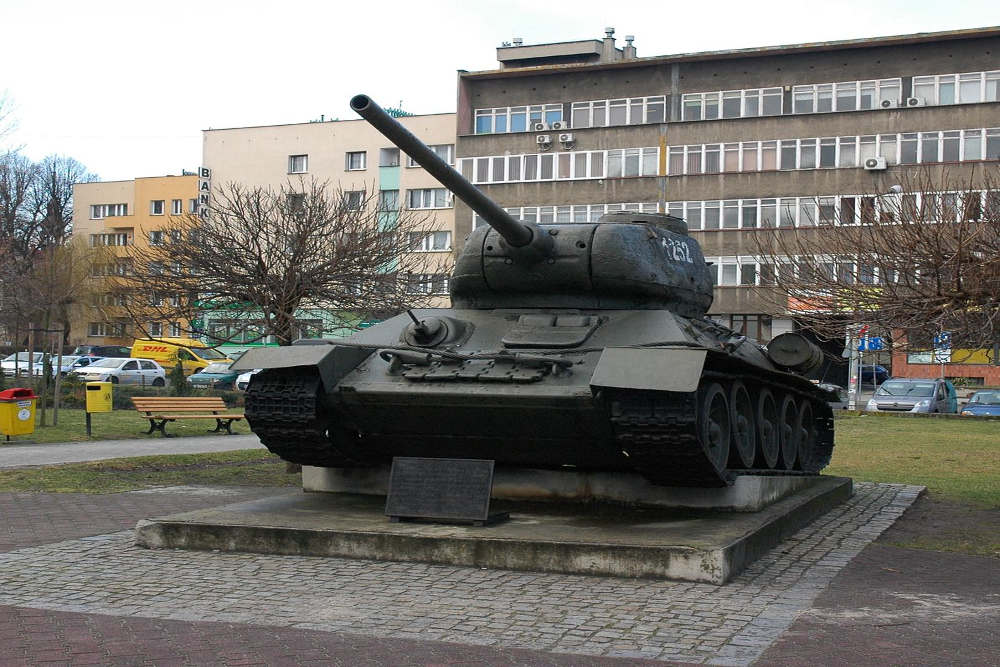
x,y
332,361
652,368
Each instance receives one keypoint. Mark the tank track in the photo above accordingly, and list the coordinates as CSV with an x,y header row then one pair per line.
x,y
282,409
658,433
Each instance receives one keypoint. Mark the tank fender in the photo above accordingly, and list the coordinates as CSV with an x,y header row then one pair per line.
x,y
653,368
333,361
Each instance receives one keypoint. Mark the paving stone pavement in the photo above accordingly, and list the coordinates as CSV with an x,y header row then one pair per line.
x,y
596,616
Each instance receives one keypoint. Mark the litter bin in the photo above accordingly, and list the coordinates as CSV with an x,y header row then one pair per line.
x,y
98,397
17,411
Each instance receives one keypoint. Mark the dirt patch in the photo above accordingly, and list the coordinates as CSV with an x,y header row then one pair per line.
x,y
942,525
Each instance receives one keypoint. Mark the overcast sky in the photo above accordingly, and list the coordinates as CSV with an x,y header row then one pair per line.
x,y
127,87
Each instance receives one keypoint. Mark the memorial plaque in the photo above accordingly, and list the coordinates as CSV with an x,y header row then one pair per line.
x,y
443,489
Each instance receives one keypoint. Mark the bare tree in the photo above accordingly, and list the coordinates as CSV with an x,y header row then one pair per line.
x,y
8,123
264,259
911,263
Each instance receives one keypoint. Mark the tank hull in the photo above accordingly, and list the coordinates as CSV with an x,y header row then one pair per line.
x,y
630,390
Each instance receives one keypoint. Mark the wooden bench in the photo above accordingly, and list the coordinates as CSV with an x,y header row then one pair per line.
x,y
162,409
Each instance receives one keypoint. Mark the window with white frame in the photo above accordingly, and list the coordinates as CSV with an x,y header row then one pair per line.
x,y
175,329
388,200
193,205
114,329
100,211
429,198
570,165
388,157
112,239
156,237
626,111
176,206
444,151
427,283
155,329
835,152
579,213
971,87
356,160
731,104
354,199
429,241
298,164
156,207
846,96
516,119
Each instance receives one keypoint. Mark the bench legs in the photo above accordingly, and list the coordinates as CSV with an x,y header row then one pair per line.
x,y
153,426
219,426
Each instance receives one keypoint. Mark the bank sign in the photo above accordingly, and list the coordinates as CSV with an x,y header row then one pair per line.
x,y
204,191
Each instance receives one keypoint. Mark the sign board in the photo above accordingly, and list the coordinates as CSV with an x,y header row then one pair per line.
x,y
942,347
870,343
441,489
204,191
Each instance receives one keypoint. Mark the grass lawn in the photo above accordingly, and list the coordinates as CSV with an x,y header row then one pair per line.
x,y
249,467
114,425
958,460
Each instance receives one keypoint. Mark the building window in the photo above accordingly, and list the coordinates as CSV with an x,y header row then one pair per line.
x,y
966,88
356,161
176,206
731,104
430,241
429,198
99,211
175,329
114,329
563,166
298,164
846,96
155,329
156,237
444,151
516,119
388,157
354,199
193,205
156,207
427,283
388,200
113,239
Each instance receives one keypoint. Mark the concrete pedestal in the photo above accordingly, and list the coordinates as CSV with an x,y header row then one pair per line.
x,y
604,539
749,493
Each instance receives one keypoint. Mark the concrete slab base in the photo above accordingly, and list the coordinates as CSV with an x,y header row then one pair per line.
x,y
748,493
691,545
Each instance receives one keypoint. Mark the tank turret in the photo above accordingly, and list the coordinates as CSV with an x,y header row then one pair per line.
x,y
580,346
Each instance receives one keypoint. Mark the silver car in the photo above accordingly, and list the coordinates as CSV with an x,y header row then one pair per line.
x,y
121,370
914,395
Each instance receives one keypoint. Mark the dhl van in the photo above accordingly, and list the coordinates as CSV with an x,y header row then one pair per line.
x,y
168,351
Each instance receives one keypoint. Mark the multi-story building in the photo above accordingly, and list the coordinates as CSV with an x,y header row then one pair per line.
x,y
731,141
353,156
110,216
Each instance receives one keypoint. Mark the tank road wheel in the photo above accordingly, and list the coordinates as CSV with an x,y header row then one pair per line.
x,y
806,426
788,420
744,442
768,431
714,426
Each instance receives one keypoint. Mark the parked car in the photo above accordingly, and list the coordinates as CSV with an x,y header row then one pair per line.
x,y
914,395
192,353
123,370
103,350
874,374
983,403
19,363
216,376
243,381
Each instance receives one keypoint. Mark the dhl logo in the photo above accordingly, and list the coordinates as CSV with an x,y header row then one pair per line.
x,y
153,348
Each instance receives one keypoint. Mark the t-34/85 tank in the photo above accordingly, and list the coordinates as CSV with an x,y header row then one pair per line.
x,y
579,346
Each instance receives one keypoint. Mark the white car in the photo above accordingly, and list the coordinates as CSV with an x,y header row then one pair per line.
x,y
122,370
18,363
243,380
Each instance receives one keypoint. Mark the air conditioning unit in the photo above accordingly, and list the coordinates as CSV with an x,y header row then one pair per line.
x,y
543,140
888,104
559,126
567,138
875,163
540,126
915,102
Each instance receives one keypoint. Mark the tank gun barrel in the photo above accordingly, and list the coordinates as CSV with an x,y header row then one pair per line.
x,y
515,232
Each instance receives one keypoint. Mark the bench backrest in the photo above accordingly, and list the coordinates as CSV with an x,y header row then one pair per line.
x,y
179,403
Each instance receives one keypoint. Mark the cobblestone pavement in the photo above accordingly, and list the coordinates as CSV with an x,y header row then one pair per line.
x,y
597,616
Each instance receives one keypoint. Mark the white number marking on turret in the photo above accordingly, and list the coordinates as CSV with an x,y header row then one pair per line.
x,y
676,250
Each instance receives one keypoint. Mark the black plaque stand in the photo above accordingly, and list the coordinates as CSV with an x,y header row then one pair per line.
x,y
441,490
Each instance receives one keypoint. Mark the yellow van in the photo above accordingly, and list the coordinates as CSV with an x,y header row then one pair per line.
x,y
167,351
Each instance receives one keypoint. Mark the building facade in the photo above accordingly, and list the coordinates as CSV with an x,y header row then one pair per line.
x,y
351,155
731,141
111,216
